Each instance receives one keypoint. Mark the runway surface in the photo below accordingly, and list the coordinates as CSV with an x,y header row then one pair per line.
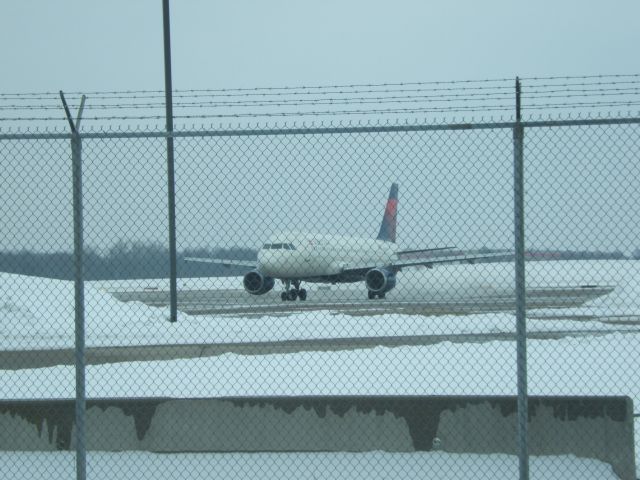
x,y
354,302
237,303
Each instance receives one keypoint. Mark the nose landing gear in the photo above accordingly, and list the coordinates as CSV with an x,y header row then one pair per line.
x,y
291,294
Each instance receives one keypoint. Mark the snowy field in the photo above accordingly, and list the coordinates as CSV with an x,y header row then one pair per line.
x,y
303,466
38,313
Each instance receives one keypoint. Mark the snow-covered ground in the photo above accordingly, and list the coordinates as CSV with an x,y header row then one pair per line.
x,y
303,466
38,313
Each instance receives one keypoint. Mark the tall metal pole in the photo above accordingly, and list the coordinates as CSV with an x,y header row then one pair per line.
x,y
521,326
171,187
78,263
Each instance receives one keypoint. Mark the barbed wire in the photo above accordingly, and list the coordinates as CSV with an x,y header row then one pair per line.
x,y
315,113
326,87
256,89
282,102
593,92
532,95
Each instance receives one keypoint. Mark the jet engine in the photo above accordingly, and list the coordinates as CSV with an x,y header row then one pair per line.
x,y
256,283
380,280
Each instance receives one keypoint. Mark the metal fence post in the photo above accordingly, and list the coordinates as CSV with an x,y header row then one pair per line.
x,y
521,327
171,184
78,262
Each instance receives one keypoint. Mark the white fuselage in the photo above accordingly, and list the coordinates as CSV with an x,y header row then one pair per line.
x,y
296,255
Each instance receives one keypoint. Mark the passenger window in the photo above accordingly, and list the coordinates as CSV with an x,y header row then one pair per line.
x,y
286,246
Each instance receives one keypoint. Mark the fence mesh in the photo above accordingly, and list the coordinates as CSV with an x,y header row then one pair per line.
x,y
318,307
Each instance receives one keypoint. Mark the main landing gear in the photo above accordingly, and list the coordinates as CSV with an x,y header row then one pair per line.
x,y
290,294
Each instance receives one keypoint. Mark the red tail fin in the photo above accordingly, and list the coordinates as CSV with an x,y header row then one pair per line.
x,y
389,221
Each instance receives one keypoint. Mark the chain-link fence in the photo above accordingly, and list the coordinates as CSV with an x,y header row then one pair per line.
x,y
329,281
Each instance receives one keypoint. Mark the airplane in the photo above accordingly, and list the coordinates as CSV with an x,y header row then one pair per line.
x,y
296,257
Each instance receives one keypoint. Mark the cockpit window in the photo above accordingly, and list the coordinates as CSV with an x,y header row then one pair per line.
x,y
291,247
266,246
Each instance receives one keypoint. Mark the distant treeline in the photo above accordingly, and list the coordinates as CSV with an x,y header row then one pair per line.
x,y
137,260
123,261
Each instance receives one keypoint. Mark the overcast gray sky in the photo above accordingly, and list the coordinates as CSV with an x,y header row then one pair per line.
x,y
85,46
79,45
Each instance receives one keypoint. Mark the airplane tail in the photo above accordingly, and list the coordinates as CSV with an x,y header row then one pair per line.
x,y
388,226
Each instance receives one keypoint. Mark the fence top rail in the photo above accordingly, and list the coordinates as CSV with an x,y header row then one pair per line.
x,y
331,130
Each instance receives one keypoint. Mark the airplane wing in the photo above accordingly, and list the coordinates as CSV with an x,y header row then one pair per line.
x,y
423,250
427,262
224,262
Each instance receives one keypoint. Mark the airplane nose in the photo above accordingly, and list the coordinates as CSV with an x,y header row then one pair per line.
x,y
265,261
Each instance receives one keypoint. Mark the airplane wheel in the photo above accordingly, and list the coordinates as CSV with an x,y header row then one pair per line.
x,y
292,295
382,295
371,295
284,296
302,294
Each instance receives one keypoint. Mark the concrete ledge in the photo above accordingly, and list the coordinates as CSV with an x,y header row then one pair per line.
x,y
592,427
